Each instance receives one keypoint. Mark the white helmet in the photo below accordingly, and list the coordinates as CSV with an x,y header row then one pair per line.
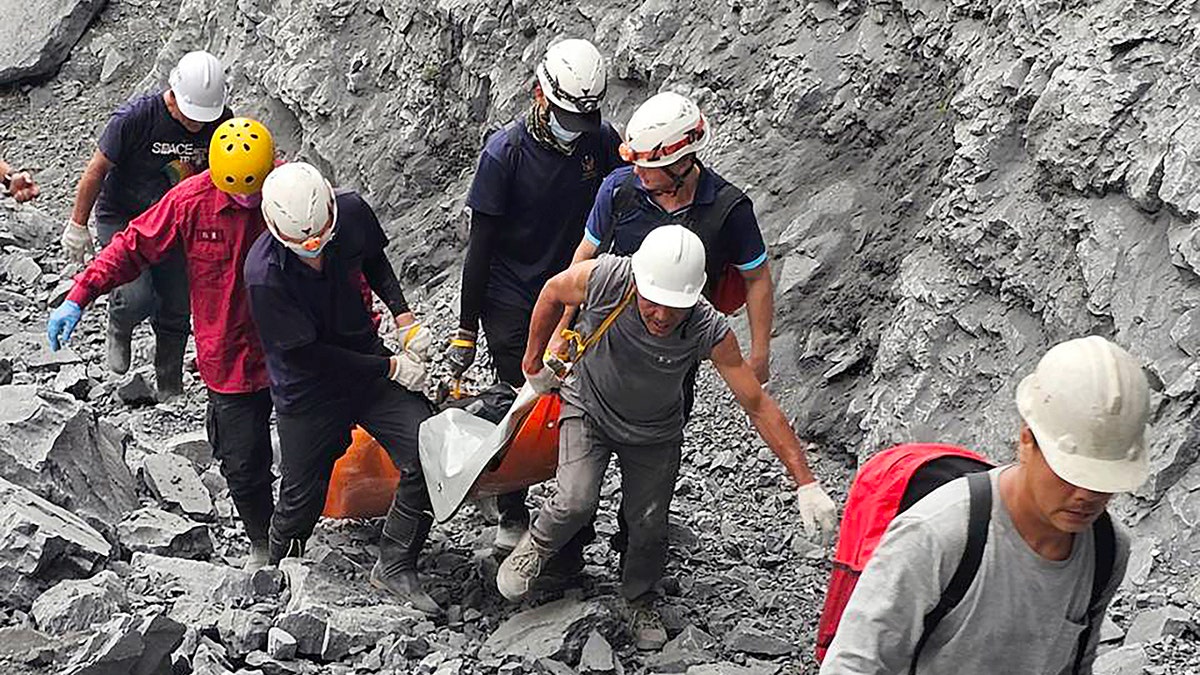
x,y
1087,404
573,78
669,267
663,129
198,83
299,208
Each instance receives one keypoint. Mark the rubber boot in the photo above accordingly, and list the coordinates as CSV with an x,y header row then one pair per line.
x,y
279,548
404,534
119,350
168,364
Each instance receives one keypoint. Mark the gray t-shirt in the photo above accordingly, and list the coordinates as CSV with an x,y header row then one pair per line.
x,y
1023,613
630,383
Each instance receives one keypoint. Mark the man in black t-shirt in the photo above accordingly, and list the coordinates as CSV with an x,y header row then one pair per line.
x,y
149,145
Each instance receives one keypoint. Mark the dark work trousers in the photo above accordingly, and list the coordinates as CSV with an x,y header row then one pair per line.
x,y
507,330
310,442
648,474
239,429
159,294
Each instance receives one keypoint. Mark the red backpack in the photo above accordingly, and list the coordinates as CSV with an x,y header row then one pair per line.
x,y
891,482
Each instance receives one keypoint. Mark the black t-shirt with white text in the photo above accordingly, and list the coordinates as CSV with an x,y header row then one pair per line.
x,y
152,152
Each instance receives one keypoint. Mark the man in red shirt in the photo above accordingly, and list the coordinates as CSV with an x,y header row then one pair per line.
x,y
215,217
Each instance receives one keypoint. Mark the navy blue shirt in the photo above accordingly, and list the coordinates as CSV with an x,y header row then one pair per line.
x,y
740,240
543,198
151,152
317,334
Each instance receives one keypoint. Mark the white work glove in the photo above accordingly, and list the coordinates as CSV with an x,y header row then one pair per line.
x,y
818,513
543,381
408,372
76,241
415,339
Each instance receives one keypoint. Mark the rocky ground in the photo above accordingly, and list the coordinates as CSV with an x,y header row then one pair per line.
x,y
947,187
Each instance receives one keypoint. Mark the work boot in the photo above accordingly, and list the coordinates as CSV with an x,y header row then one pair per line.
x,y
404,534
646,624
168,364
520,569
508,535
119,349
259,557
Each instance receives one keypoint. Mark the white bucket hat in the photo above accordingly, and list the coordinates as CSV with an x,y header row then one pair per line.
x,y
1087,403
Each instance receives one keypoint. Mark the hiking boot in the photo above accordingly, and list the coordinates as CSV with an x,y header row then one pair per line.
x,y
520,569
259,557
119,350
404,534
648,631
168,365
508,535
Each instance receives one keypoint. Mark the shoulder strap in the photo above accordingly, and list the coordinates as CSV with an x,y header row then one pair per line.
x,y
712,219
624,200
980,486
1104,540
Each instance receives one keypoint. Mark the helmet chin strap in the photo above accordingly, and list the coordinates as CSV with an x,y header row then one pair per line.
x,y
677,180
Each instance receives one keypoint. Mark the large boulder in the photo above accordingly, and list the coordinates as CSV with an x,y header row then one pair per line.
x,y
214,586
36,37
129,645
79,604
42,544
556,630
50,445
173,480
151,530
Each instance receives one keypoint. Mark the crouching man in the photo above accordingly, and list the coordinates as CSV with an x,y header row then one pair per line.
x,y
625,397
329,368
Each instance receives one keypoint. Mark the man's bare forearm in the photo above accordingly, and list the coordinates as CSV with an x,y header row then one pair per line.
x,y
88,190
768,418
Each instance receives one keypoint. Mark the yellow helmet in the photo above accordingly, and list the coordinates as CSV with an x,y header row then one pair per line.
x,y
240,155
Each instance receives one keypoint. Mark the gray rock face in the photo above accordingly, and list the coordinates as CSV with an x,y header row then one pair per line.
x,y
750,640
243,631
281,645
1156,624
218,585
692,647
556,630
39,36
174,481
156,531
72,605
129,645
50,445
194,445
597,655
41,544
136,391
1129,660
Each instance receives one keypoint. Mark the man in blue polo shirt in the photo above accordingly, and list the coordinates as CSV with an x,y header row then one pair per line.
x,y
668,184
535,184
330,370
149,145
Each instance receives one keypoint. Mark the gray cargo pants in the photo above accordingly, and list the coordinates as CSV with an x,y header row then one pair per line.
x,y
160,293
648,475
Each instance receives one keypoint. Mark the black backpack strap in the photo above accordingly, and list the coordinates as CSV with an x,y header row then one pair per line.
x,y
1104,540
707,224
980,486
624,201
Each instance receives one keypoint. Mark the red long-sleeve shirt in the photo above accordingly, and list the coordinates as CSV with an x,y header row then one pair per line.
x,y
216,235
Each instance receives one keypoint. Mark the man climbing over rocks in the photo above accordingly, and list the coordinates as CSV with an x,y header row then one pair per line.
x,y
624,396
329,368
149,145
1052,558
212,219
536,181
18,184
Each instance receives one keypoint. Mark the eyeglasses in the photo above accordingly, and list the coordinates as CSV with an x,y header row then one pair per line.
x,y
659,151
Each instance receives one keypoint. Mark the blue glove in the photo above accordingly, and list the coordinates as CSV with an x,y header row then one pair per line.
x,y
62,323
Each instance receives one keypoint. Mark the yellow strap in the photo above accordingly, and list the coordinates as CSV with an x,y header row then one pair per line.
x,y
583,345
456,342
411,332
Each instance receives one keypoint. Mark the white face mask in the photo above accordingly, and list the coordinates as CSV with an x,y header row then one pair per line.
x,y
560,132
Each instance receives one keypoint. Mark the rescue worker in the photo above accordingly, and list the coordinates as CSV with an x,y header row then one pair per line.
x,y
535,184
213,218
18,184
329,368
1081,439
624,396
668,184
149,145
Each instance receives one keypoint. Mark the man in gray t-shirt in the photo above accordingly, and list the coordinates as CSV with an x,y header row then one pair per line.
x,y
1083,415
647,327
